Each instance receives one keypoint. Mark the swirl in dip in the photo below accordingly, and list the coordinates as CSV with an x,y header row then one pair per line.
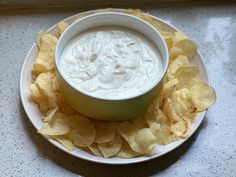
x,y
111,63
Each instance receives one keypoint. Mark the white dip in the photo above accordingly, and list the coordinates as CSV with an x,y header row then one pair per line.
x,y
111,63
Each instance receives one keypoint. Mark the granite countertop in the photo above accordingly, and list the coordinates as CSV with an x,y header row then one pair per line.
x,y
210,152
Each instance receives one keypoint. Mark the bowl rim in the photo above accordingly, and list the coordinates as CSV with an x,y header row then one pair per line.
x,y
165,66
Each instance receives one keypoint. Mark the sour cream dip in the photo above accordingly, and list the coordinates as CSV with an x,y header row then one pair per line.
x,y
111,63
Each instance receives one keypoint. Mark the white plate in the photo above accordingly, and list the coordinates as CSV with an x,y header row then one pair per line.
x,y
34,115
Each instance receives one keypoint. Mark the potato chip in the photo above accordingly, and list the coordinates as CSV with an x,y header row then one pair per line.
x,y
169,110
146,17
111,148
94,149
145,141
174,52
44,83
38,37
55,84
182,42
179,36
48,43
179,128
127,152
168,40
183,105
185,73
43,63
65,141
128,131
39,98
167,90
50,114
203,96
105,131
63,106
180,61
83,131
162,133
61,26
156,117
59,126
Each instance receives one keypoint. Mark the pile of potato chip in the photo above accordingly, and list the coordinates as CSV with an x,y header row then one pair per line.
x,y
166,120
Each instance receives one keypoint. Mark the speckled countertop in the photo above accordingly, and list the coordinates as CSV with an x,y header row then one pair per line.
x,y
210,152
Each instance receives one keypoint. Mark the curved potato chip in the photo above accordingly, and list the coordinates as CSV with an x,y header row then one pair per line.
x,y
50,115
168,39
179,36
59,126
167,90
162,133
65,141
44,83
94,149
48,43
180,61
181,41
203,96
83,130
127,152
55,84
169,110
174,52
111,148
39,98
145,141
128,131
43,63
105,131
180,128
63,106
185,73
183,104
38,37
61,26
156,117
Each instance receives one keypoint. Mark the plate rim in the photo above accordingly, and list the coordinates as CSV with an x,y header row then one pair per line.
x,y
129,161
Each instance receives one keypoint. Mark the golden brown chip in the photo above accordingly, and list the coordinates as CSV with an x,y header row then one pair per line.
x,y
50,114
180,61
156,117
43,63
44,83
65,141
167,89
94,149
83,131
162,133
186,73
174,52
111,148
105,131
59,126
48,43
55,84
61,26
203,96
39,98
127,152
182,42
145,141
169,110
183,105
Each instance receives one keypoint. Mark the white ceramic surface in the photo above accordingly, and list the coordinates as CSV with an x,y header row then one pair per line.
x,y
33,113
